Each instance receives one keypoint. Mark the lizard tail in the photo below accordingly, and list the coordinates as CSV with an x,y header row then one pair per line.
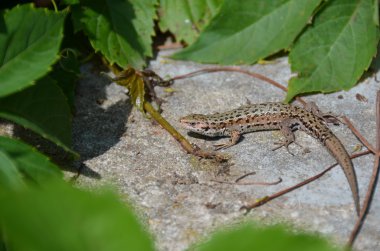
x,y
338,151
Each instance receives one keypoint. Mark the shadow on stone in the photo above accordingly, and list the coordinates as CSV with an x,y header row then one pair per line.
x,y
102,110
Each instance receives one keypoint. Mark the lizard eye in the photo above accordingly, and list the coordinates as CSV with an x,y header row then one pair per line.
x,y
193,123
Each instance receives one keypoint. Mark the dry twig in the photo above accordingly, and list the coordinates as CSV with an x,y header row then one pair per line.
x,y
235,69
372,184
266,199
256,183
358,134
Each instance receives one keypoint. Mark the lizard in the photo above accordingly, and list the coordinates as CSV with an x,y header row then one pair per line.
x,y
275,116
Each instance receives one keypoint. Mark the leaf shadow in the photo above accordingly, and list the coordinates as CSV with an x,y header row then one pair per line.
x,y
102,111
374,67
98,123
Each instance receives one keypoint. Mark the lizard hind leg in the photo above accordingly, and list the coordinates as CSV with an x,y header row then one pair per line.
x,y
286,130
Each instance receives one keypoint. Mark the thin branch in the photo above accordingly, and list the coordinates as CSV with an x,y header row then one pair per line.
x,y
359,135
372,183
266,199
257,183
245,176
189,148
234,69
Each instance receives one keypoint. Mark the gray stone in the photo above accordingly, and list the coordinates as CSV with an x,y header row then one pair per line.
x,y
173,192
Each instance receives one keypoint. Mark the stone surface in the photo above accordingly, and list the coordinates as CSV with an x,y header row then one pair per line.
x,y
174,193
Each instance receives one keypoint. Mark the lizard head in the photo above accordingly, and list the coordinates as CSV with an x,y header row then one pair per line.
x,y
197,123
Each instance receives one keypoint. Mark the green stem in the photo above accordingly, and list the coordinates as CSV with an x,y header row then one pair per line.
x,y
189,148
54,5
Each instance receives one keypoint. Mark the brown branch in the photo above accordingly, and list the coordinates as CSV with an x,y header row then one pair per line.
x,y
372,183
358,135
257,183
244,176
234,69
266,199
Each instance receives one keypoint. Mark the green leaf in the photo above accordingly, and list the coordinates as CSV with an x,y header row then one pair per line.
x,y
186,18
2,244
29,46
333,53
120,29
66,72
246,31
10,178
28,161
42,108
59,217
135,84
247,238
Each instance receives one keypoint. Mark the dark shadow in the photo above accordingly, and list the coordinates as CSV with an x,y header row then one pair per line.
x,y
207,138
204,137
160,38
82,169
95,129
9,4
375,64
373,68
55,153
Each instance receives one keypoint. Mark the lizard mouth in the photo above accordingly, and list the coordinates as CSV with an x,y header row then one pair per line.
x,y
194,126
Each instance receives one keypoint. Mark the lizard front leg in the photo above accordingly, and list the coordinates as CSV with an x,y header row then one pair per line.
x,y
235,136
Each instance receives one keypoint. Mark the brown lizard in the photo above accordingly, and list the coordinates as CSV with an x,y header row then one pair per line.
x,y
275,116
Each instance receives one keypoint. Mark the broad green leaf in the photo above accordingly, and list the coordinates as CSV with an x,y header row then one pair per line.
x,y
28,161
135,84
66,72
59,217
29,46
120,29
333,53
246,31
10,178
42,108
186,18
247,238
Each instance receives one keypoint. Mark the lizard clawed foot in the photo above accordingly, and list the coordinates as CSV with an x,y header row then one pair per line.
x,y
222,146
281,144
286,144
331,119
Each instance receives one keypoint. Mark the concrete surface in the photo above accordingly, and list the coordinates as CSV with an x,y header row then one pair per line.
x,y
174,193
